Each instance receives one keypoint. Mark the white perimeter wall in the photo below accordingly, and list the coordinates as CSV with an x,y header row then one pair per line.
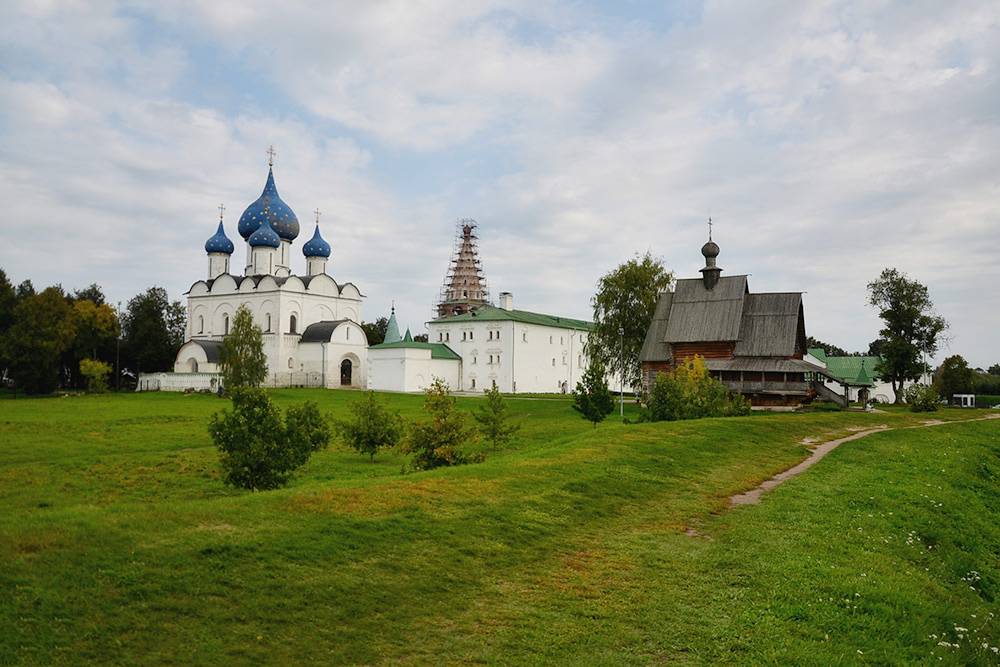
x,y
410,370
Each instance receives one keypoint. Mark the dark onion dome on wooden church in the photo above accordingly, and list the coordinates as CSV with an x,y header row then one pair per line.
x,y
316,246
270,207
219,242
264,236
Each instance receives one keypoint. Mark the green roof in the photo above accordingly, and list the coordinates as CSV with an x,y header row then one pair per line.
x,y
438,350
818,352
494,314
857,371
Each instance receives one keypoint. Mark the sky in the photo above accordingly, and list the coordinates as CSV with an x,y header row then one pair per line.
x,y
827,141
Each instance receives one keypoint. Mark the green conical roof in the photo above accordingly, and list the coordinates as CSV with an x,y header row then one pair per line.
x,y
407,338
392,329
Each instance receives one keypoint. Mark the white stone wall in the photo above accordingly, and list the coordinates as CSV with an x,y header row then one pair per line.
x,y
409,370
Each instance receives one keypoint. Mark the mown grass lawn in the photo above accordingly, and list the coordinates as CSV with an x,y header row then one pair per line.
x,y
120,545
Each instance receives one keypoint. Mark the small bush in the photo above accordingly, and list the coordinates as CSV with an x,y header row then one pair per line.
x,y
437,442
259,450
689,392
371,428
922,397
97,373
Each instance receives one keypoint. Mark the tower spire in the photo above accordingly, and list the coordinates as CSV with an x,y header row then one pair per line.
x,y
709,228
464,285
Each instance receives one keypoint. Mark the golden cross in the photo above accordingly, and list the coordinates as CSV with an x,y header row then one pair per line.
x,y
270,155
222,209
318,213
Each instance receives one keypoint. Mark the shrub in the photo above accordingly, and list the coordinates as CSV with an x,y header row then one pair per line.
x,y
97,373
592,399
922,397
494,422
372,427
436,442
689,392
259,450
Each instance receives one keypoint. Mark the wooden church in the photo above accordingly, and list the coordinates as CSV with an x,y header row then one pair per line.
x,y
753,343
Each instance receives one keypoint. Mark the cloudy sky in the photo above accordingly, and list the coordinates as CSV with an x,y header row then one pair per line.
x,y
827,139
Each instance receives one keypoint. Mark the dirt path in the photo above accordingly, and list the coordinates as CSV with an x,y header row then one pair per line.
x,y
753,496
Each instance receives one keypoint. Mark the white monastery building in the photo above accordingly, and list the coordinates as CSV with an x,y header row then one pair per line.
x,y
311,322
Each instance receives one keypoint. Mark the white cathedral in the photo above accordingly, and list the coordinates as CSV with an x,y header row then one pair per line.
x,y
310,322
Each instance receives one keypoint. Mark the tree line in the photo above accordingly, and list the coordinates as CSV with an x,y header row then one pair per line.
x,y
55,339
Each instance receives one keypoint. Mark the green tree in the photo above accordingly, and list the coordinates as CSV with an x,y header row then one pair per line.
x,y
994,369
494,419
96,373
96,327
258,449
437,441
910,327
152,330
8,302
375,331
955,377
33,345
25,289
243,361
92,293
623,308
372,426
592,399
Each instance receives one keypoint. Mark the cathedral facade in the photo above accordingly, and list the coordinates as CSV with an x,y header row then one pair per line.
x,y
310,322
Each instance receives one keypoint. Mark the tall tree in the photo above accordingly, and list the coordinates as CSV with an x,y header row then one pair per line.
x,y
910,328
955,377
375,331
623,308
25,289
92,293
150,331
243,361
42,330
8,302
994,369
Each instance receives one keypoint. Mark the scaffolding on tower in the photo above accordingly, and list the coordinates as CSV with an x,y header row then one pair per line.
x,y
464,287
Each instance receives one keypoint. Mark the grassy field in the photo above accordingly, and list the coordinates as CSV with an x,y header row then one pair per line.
x,y
119,544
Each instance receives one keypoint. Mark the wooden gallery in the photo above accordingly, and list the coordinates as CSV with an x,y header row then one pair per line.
x,y
753,343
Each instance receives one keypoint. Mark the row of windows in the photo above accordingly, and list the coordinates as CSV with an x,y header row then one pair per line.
x,y
494,334
292,324
579,361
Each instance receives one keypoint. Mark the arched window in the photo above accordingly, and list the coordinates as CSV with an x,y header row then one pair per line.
x,y
225,324
291,363
268,319
292,323
201,324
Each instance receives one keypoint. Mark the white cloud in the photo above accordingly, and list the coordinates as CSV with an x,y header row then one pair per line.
x,y
828,140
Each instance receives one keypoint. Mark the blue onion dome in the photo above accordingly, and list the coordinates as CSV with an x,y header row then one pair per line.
x,y
316,246
219,242
270,207
264,236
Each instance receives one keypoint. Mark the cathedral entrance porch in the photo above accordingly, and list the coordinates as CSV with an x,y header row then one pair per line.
x,y
345,373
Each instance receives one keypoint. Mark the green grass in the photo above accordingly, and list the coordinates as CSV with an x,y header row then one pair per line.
x,y
119,544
